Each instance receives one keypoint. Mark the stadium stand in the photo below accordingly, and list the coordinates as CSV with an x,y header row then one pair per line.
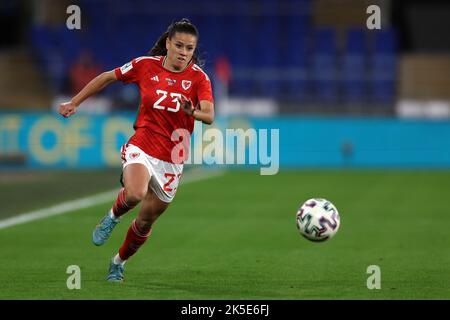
x,y
295,50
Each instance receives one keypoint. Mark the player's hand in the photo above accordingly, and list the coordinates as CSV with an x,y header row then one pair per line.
x,y
186,105
66,109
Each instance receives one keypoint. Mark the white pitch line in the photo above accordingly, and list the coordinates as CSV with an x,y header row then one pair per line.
x,y
86,202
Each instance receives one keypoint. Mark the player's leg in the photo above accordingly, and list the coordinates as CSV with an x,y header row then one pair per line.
x,y
141,227
162,189
151,209
138,232
135,180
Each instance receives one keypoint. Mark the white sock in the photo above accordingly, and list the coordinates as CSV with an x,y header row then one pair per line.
x,y
111,214
117,260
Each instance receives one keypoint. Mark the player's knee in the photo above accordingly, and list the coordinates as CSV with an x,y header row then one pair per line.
x,y
135,195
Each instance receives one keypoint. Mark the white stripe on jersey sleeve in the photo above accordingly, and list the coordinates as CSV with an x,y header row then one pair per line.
x,y
142,58
197,68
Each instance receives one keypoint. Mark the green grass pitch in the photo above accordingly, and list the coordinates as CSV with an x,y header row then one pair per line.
x,y
234,237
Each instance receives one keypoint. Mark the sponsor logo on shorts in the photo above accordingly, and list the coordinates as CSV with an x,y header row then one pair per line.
x,y
134,155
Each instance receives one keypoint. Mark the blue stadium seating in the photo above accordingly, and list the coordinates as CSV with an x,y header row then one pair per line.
x,y
273,53
295,56
324,66
354,66
383,67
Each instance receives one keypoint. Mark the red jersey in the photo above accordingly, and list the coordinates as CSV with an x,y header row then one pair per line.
x,y
160,113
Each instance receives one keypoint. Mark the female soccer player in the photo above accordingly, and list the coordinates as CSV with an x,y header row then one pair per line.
x,y
174,93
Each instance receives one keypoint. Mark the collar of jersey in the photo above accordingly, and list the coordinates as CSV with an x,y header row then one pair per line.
x,y
164,60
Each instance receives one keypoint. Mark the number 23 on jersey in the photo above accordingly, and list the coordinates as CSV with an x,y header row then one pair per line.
x,y
164,95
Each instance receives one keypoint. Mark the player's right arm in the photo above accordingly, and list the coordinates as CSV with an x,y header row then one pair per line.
x,y
97,84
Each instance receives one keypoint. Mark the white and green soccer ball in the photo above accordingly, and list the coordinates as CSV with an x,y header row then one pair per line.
x,y
318,219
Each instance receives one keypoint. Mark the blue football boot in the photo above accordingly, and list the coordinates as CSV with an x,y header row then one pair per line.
x,y
115,273
103,230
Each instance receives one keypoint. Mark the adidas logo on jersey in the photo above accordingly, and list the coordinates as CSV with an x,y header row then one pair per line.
x,y
155,78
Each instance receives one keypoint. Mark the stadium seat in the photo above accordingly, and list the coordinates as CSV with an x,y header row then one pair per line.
x,y
353,63
324,65
295,57
383,67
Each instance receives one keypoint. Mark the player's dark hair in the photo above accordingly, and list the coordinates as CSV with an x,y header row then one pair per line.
x,y
182,26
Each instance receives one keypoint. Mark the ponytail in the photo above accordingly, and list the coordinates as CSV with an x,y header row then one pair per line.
x,y
159,49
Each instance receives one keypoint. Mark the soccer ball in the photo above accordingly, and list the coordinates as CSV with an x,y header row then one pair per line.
x,y
318,220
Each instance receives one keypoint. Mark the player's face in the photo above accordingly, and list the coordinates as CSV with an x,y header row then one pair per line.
x,y
180,49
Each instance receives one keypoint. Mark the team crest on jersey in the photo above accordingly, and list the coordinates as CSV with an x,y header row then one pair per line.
x,y
171,82
186,84
134,155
